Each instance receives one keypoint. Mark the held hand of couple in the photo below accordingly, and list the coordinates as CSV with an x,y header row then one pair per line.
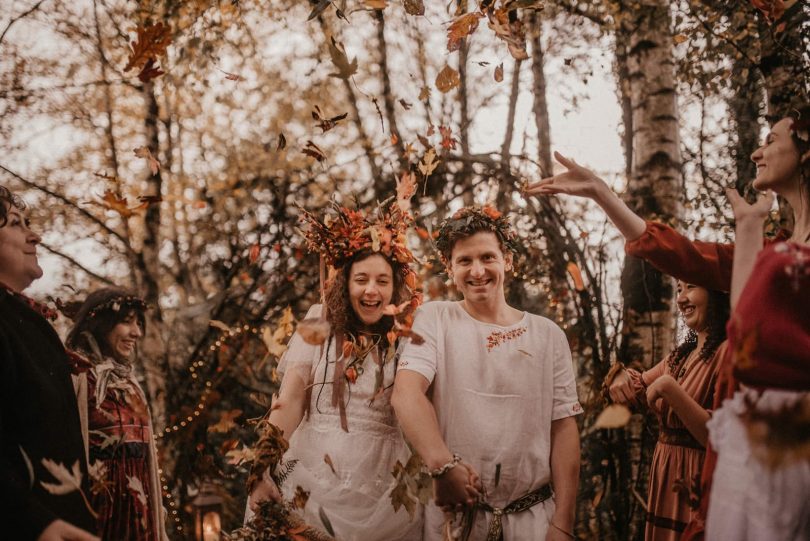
x,y
577,180
460,487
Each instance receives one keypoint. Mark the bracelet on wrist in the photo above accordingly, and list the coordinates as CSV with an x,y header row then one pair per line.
x,y
438,472
569,534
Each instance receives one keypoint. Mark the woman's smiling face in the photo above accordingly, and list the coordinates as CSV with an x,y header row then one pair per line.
x,y
371,287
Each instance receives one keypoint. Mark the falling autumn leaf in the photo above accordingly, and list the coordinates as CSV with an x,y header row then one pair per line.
x,y
376,4
405,104
345,67
447,80
613,416
327,524
428,163
151,43
254,253
576,276
68,480
314,331
328,460
226,421
424,94
312,150
406,188
415,7
150,71
499,73
326,124
680,38
318,9
239,456
300,498
282,142
232,76
448,142
276,341
116,203
145,153
460,28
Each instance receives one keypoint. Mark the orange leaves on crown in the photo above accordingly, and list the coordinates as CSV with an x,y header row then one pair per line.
x,y
150,44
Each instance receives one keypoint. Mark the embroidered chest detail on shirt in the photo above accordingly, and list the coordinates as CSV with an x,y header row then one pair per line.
x,y
496,338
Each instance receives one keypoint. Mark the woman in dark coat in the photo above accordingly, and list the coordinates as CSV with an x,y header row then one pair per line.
x,y
39,420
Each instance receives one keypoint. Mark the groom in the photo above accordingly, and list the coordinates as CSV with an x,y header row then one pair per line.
x,y
488,399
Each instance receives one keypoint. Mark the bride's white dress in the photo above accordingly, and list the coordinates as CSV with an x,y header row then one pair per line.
x,y
355,497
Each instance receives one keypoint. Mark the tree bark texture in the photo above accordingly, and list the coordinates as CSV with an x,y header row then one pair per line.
x,y
540,106
655,183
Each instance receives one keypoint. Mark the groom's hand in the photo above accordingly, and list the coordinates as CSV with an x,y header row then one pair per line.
x,y
458,488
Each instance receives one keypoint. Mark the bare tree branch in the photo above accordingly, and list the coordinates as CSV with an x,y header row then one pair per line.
x,y
19,17
76,264
72,204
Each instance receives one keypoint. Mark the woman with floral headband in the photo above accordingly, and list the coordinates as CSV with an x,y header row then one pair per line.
x,y
115,413
338,371
760,446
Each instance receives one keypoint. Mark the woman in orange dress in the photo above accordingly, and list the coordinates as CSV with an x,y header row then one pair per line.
x,y
680,389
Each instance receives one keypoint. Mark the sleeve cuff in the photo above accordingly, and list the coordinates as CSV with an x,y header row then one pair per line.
x,y
562,411
425,372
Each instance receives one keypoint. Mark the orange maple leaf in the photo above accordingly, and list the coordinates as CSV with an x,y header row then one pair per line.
x,y
151,43
460,28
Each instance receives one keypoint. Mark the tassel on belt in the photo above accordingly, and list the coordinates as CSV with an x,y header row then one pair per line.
x,y
495,531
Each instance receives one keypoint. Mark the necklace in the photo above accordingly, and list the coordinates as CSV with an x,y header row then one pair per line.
x,y
687,363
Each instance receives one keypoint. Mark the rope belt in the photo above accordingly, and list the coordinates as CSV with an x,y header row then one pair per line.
x,y
495,531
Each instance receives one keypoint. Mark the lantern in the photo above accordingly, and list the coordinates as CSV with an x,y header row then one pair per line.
x,y
207,514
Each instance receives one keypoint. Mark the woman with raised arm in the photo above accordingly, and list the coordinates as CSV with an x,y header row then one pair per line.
x,y
680,389
783,166
107,330
334,404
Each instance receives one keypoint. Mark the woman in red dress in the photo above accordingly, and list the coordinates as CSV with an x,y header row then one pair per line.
x,y
769,333
680,389
115,414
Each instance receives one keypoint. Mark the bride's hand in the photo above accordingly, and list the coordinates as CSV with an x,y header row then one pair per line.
x,y
577,180
265,489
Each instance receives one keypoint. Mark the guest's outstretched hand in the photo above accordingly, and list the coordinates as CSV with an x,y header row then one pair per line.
x,y
743,211
577,180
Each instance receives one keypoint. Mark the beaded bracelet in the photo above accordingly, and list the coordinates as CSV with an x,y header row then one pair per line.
x,y
447,467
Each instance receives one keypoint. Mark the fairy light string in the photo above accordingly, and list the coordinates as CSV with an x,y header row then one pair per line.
x,y
194,370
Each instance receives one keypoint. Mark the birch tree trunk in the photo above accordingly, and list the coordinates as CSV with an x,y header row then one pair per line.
x,y
654,190
655,183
